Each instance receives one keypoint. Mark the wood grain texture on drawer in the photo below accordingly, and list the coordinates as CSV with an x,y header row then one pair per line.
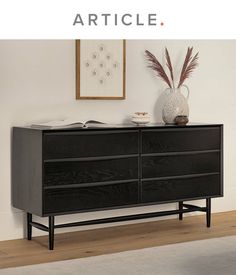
x,y
178,189
182,139
162,166
77,172
77,144
94,197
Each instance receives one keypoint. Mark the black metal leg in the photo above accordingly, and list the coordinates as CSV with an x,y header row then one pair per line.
x,y
51,232
183,208
29,226
208,212
180,208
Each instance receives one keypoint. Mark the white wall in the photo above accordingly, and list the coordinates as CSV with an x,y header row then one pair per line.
x,y
37,82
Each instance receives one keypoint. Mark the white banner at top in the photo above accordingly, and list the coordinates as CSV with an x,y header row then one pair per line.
x,y
109,19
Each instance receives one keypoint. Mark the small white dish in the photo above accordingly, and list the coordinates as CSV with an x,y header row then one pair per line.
x,y
140,118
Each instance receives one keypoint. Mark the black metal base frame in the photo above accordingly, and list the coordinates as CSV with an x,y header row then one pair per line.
x,y
183,208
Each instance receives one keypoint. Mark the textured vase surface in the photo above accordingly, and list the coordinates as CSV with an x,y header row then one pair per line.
x,y
176,104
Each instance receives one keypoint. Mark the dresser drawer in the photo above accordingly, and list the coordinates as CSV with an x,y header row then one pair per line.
x,y
89,144
163,166
180,189
181,139
76,172
93,197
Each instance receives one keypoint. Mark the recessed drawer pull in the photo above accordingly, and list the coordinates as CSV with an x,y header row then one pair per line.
x,y
91,158
182,176
180,153
81,185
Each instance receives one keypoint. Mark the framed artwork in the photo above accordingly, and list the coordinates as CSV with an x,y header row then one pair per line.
x,y
100,69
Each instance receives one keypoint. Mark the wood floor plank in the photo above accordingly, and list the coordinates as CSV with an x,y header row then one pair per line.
x,y
114,239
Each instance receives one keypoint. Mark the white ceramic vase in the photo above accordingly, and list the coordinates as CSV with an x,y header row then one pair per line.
x,y
176,104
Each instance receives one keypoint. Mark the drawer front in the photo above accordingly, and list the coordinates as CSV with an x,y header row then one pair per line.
x,y
76,172
77,144
178,189
165,166
178,140
94,197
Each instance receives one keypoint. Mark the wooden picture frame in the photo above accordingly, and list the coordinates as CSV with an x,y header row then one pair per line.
x,y
100,74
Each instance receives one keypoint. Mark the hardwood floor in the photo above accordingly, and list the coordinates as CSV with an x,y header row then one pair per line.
x,y
115,239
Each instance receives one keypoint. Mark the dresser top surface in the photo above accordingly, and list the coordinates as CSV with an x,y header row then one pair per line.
x,y
120,127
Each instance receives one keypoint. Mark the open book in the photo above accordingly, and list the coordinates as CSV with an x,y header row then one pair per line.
x,y
67,123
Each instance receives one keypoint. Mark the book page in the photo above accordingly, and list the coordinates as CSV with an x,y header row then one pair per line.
x,y
67,123
57,123
94,122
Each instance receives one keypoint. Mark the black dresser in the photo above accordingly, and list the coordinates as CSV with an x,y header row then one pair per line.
x,y
66,171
